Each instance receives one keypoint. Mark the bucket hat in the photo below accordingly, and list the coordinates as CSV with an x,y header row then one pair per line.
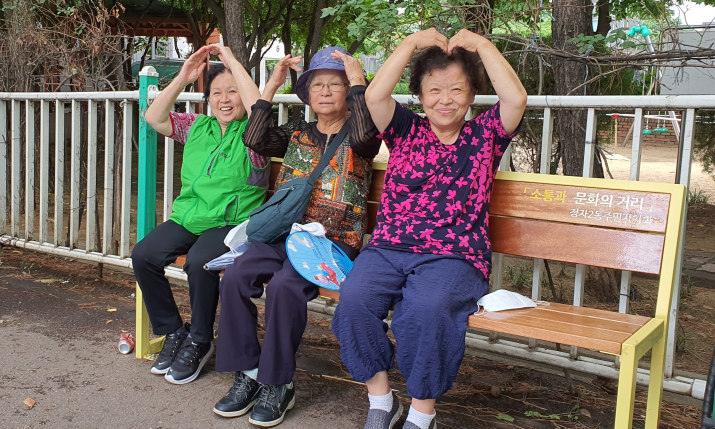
x,y
320,61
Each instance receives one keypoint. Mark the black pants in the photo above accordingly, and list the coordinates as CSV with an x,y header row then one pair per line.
x,y
287,298
159,249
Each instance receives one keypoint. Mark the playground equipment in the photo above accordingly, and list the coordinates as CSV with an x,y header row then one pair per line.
x,y
644,31
675,120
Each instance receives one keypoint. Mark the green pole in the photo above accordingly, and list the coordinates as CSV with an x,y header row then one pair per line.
x,y
146,210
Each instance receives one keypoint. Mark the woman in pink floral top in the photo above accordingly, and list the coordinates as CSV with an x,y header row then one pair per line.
x,y
430,254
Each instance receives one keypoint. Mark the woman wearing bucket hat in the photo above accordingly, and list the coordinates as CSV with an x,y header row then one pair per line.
x,y
334,88
429,254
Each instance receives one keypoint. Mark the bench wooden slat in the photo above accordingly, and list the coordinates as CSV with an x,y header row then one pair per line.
x,y
617,249
376,185
608,315
329,293
581,319
555,326
644,211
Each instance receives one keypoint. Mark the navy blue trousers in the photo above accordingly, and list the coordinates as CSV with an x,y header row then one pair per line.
x,y
287,297
433,295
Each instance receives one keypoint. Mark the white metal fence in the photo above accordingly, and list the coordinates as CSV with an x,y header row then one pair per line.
x,y
72,144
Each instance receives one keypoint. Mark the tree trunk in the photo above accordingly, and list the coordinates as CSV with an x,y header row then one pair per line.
x,y
481,16
235,30
571,18
314,32
287,40
604,17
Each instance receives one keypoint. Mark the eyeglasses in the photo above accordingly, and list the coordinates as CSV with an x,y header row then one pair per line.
x,y
333,86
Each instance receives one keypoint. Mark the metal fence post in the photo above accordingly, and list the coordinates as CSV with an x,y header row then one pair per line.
x,y
146,199
685,163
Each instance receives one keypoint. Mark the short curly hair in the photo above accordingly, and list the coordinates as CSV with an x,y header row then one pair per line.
x,y
211,75
434,58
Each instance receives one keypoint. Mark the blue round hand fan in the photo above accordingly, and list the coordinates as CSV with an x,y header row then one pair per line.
x,y
318,259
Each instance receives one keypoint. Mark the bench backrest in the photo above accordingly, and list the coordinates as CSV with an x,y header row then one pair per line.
x,y
631,226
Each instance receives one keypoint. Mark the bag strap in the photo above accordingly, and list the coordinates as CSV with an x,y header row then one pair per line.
x,y
329,152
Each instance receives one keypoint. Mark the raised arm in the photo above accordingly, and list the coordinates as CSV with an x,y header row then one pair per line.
x,y
278,78
512,95
157,115
262,136
246,87
363,132
379,94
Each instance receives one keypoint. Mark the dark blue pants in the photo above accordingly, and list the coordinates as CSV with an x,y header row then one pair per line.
x,y
287,298
433,295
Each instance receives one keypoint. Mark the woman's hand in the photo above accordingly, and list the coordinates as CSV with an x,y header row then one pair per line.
x,y
353,68
194,66
427,38
280,71
224,54
506,83
467,40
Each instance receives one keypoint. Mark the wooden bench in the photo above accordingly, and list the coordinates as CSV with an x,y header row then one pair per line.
x,y
632,226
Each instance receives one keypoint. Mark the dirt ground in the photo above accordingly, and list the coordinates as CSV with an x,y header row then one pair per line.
x,y
59,347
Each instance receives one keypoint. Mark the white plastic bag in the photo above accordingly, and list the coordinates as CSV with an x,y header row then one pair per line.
x,y
314,228
236,237
503,299
237,242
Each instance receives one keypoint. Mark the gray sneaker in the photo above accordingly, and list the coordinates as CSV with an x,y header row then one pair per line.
x,y
379,419
410,425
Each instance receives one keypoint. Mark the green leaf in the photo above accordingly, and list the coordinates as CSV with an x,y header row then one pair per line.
x,y
628,45
505,417
541,416
328,11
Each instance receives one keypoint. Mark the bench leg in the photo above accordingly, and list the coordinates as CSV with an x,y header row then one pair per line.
x,y
626,387
142,346
655,388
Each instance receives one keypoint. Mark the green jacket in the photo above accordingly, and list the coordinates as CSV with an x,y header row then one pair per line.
x,y
219,185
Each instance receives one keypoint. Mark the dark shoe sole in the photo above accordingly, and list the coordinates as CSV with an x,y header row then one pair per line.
x,y
397,415
168,377
276,421
239,413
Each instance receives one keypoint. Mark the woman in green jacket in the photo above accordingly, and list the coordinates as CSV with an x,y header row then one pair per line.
x,y
222,181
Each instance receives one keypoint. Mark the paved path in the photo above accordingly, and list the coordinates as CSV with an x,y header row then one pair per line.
x,y
59,354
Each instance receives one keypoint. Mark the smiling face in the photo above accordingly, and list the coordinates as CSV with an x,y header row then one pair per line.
x,y
445,96
328,102
226,104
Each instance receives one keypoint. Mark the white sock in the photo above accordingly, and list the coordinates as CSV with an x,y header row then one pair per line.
x,y
252,373
383,402
420,420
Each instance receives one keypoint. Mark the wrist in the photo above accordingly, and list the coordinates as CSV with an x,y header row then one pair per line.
x,y
410,42
183,82
233,64
482,41
357,80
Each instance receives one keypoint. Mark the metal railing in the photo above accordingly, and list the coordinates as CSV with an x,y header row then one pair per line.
x,y
123,211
